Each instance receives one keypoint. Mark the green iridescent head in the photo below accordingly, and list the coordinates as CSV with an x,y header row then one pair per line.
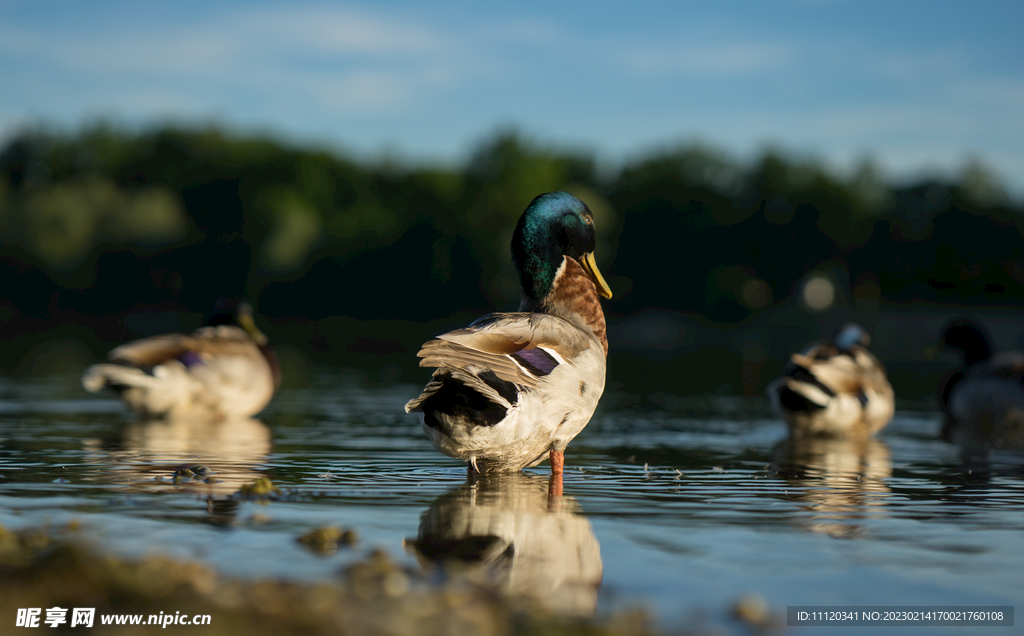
x,y
554,225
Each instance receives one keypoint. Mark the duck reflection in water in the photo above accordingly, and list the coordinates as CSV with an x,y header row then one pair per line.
x,y
840,479
150,453
521,533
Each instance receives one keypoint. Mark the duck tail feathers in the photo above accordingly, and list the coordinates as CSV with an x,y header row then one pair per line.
x,y
800,395
796,401
488,384
116,376
480,380
416,404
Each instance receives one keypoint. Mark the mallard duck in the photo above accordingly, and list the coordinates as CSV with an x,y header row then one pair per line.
x,y
983,401
219,371
513,388
837,388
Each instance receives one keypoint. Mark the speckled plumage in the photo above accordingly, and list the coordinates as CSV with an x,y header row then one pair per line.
x,y
838,388
513,387
216,372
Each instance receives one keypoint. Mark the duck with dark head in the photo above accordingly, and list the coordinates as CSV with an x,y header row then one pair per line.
x,y
983,400
223,370
513,389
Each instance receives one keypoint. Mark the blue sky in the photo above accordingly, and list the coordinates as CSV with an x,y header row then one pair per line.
x,y
917,85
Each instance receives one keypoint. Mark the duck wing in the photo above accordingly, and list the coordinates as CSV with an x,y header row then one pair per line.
x,y
823,372
838,371
517,348
205,342
1004,364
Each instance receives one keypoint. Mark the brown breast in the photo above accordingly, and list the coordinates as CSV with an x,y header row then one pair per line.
x,y
575,294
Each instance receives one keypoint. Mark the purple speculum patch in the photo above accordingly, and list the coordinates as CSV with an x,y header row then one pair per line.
x,y
190,359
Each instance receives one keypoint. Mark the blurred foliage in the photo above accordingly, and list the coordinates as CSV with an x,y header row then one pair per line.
x,y
106,221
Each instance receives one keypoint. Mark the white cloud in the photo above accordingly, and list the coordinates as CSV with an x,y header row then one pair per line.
x,y
887,120
521,31
179,52
709,59
363,91
1005,92
338,30
217,43
344,60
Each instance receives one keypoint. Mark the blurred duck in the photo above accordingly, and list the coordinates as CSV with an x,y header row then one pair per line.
x,y
513,388
220,371
983,401
834,389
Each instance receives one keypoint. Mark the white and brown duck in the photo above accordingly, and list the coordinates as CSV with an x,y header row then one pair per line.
x,y
835,388
221,371
512,389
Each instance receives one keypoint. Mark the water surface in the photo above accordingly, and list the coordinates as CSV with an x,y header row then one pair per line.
x,y
681,505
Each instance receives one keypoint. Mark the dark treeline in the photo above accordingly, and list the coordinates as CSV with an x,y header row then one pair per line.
x,y
105,222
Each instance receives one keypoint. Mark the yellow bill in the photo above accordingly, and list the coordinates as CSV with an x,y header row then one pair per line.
x,y
245,321
590,266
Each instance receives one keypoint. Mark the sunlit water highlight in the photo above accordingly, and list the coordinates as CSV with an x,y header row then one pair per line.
x,y
683,508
